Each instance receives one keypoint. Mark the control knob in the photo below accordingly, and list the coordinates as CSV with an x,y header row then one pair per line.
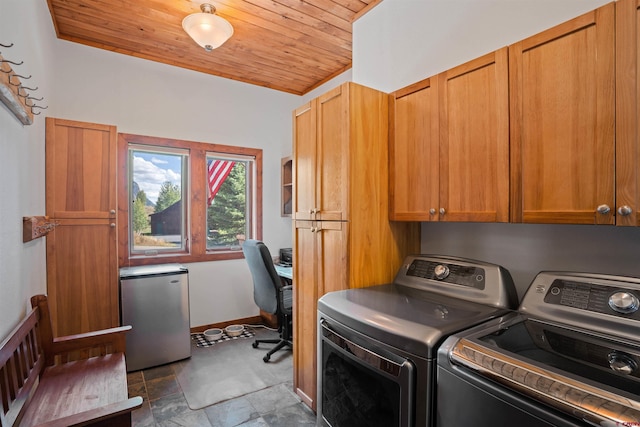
x,y
441,271
624,302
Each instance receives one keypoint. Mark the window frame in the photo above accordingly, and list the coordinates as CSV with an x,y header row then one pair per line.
x,y
196,209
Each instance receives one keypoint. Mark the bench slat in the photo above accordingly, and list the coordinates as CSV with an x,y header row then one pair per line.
x,y
78,386
114,415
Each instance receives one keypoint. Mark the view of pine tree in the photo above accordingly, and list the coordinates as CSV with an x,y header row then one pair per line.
x,y
140,217
226,217
168,195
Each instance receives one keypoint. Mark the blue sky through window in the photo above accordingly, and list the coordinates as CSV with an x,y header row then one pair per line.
x,y
151,170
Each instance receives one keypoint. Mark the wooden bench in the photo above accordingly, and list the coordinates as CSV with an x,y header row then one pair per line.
x,y
77,380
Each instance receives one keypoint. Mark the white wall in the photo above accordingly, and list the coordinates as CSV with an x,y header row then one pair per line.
x,y
148,98
400,42
22,265
140,97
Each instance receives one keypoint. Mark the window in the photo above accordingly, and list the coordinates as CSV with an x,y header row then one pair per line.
x,y
186,201
227,201
157,182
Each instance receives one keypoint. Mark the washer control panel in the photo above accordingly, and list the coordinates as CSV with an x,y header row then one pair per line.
x,y
594,297
470,276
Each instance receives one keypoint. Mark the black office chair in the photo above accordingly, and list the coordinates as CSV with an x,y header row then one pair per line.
x,y
270,293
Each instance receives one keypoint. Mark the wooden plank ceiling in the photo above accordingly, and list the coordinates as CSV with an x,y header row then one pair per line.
x,y
288,45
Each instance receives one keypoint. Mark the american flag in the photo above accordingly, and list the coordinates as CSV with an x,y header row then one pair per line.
x,y
218,170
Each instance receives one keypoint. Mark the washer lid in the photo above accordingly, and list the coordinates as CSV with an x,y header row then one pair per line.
x,y
413,320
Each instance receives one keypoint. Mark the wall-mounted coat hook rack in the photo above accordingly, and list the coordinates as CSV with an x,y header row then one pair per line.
x,y
19,103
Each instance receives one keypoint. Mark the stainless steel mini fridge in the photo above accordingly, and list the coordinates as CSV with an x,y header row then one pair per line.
x,y
154,300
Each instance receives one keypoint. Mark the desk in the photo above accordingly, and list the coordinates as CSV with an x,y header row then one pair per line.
x,y
286,272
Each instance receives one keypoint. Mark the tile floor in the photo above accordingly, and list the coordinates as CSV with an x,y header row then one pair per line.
x,y
276,405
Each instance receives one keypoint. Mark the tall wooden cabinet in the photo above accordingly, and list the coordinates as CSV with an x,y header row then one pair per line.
x,y
450,145
627,112
82,268
562,103
342,235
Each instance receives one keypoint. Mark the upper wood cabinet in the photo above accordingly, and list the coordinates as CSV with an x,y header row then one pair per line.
x,y
627,112
321,155
562,101
450,145
82,266
414,153
474,140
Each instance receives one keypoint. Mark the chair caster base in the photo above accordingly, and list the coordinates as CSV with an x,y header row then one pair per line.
x,y
254,345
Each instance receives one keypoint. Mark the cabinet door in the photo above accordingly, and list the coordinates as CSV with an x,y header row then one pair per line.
x,y
81,160
413,153
304,161
333,155
305,296
332,247
82,269
82,276
627,112
562,122
474,140
320,266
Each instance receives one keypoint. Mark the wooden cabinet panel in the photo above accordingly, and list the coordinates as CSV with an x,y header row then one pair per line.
x,y
474,140
562,122
321,157
304,160
305,297
321,254
331,241
79,186
333,155
450,145
82,269
81,277
627,112
414,153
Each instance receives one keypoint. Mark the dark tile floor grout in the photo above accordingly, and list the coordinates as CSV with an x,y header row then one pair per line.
x,y
164,402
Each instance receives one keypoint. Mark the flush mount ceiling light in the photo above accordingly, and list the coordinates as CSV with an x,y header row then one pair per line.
x,y
207,29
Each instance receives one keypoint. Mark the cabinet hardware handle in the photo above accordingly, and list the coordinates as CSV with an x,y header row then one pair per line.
x,y
442,211
112,225
603,209
112,211
625,210
432,211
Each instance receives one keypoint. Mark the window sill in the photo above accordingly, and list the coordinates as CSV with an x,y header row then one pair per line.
x,y
182,259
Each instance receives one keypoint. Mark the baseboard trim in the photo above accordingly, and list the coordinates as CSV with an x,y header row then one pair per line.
x,y
254,320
